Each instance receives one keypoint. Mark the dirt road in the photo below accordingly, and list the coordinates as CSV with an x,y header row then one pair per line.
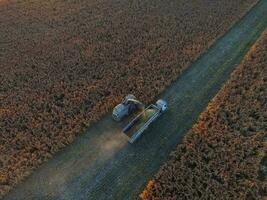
x,y
100,164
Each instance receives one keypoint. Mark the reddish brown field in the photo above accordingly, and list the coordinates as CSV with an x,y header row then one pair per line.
x,y
64,65
224,155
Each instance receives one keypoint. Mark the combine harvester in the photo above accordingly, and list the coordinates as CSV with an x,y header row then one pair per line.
x,y
144,117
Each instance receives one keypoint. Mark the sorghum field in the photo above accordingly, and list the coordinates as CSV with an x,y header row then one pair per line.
x,y
64,64
224,155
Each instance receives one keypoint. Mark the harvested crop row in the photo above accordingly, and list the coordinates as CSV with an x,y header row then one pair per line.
x,y
65,64
224,155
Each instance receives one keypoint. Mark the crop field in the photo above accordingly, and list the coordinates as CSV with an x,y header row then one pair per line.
x,y
63,65
224,155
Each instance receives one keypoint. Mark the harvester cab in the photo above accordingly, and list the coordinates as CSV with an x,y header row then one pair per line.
x,y
127,107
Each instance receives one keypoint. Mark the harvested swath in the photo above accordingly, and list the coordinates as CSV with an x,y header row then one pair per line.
x,y
224,155
65,64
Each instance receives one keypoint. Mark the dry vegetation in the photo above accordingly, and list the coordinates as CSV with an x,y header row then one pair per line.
x,y
64,65
224,155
